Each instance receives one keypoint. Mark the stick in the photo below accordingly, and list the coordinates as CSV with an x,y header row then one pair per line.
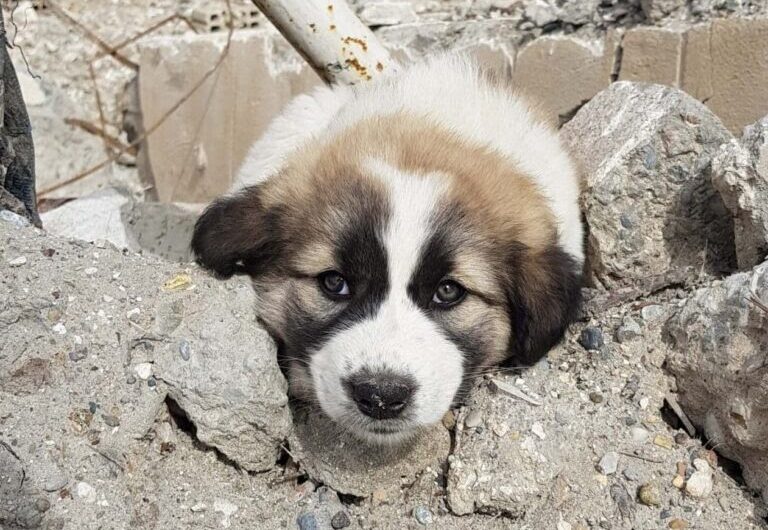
x,y
330,37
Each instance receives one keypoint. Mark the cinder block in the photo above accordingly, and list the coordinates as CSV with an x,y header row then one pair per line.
x,y
652,55
563,72
194,155
209,17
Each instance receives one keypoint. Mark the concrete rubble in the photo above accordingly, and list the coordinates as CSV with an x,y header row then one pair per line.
x,y
740,174
654,216
719,360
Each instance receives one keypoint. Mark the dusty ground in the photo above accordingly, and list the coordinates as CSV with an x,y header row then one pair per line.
x,y
87,440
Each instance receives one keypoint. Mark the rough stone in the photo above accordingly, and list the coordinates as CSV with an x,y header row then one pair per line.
x,y
652,55
386,13
609,463
628,330
744,190
718,350
652,212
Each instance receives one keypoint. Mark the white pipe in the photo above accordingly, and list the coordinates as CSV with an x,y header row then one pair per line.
x,y
331,38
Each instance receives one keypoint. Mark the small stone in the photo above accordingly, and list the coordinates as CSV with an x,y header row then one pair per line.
x,y
133,314
92,406
42,505
152,382
90,271
644,402
596,397
681,468
709,455
185,350
378,497
473,419
423,515
143,370
638,434
107,299
678,482
307,521
681,438
628,330
340,520
630,421
17,262
85,491
13,218
130,379
651,313
199,507
699,485
48,252
591,338
649,495
678,524
500,429
538,430
77,355
226,508
663,441
631,473
112,421
100,243
700,464
609,463
55,482
563,525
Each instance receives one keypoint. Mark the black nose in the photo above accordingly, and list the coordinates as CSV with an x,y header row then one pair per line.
x,y
382,396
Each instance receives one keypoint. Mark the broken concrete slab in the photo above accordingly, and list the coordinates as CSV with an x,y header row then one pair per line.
x,y
653,214
652,55
745,192
719,344
195,153
93,341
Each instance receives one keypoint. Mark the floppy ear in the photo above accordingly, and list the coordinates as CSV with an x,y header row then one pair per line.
x,y
237,235
544,295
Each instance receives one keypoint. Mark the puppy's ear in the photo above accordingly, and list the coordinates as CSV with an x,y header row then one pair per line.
x,y
237,235
544,295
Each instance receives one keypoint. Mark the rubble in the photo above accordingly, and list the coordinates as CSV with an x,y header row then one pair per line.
x,y
718,351
740,174
654,216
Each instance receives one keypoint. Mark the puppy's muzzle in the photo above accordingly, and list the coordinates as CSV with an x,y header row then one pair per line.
x,y
382,395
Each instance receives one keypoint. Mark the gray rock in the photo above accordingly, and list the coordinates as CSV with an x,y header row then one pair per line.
x,y
744,190
718,350
609,463
652,211
340,520
307,521
591,338
628,330
423,515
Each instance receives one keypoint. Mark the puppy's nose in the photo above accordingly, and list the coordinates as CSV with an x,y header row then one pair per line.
x,y
382,396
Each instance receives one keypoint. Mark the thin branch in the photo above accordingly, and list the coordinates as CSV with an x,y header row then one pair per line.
x,y
102,119
107,48
137,141
90,128
758,303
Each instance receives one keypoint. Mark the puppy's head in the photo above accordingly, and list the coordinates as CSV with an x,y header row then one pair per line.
x,y
392,264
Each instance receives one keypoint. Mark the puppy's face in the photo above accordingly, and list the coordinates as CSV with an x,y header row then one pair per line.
x,y
391,265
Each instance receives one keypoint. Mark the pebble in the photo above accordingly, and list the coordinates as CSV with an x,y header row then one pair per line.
x,y
649,495
90,271
152,382
663,441
340,520
681,438
644,402
185,350
652,312
449,420
133,314
538,430
638,434
307,521
17,262
13,218
226,508
699,485
130,379
678,482
55,482
700,464
199,507
42,505
631,473
77,355
423,515
591,338
473,419
609,463
85,491
112,421
596,397
678,524
143,370
628,330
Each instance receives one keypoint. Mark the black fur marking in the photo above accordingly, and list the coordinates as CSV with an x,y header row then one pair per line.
x,y
544,296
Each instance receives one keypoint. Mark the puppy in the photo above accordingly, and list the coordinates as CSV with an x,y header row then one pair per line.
x,y
403,236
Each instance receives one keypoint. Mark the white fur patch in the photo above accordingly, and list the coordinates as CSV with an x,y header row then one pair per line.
x,y
400,337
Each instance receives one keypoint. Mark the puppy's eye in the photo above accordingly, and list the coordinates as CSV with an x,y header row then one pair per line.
x,y
333,284
448,293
